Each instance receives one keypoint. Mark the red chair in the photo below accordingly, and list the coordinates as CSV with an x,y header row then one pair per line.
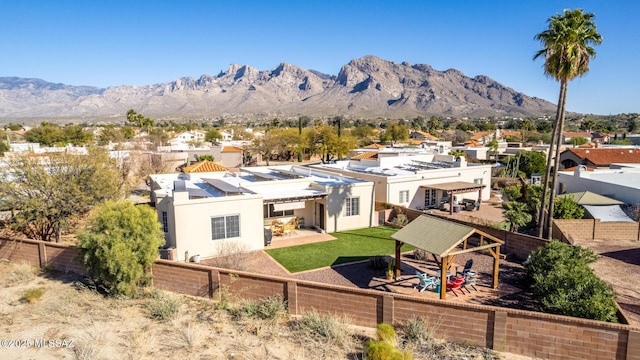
x,y
455,284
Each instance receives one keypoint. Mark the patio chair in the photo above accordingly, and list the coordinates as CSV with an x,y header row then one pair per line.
x,y
425,281
467,267
470,280
455,284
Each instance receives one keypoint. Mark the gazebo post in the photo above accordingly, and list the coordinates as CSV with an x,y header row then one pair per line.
x,y
496,266
451,203
443,277
396,273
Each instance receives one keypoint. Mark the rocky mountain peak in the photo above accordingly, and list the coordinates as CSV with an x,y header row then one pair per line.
x,y
368,86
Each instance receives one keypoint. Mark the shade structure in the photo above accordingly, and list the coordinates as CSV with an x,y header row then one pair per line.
x,y
440,237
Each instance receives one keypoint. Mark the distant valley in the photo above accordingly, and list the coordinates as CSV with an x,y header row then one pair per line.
x,y
365,87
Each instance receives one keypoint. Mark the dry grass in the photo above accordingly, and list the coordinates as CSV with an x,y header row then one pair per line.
x,y
16,273
107,328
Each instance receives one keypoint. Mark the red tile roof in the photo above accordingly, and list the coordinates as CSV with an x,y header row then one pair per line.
x,y
365,156
606,157
375,146
204,166
230,149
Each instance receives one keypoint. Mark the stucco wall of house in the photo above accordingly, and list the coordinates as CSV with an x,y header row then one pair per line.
x,y
569,183
336,209
193,224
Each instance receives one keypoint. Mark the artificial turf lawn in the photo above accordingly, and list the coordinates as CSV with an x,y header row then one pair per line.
x,y
349,246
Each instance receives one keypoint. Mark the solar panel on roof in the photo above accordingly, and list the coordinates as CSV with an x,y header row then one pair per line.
x,y
223,186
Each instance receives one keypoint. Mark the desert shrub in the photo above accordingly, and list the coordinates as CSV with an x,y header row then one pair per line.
x,y
400,220
270,308
231,255
384,348
513,192
563,283
18,274
565,207
378,262
32,295
119,245
326,327
417,330
161,306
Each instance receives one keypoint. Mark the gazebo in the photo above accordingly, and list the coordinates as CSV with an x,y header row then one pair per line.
x,y
440,238
456,187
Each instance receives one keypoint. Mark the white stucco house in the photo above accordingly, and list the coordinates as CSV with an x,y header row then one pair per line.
x,y
202,212
620,182
187,139
417,178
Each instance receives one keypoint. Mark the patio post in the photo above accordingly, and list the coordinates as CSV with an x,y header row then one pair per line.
x,y
496,266
396,273
443,277
451,203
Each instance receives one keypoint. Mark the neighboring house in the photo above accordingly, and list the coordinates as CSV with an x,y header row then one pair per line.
x,y
187,139
422,135
204,212
416,178
226,135
569,137
599,157
595,137
600,207
620,184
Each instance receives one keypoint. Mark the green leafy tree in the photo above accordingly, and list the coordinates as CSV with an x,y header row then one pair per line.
x,y
579,140
517,213
76,135
46,135
119,245
567,47
4,142
531,162
207,157
456,152
566,208
563,283
46,193
212,135
324,141
513,192
397,132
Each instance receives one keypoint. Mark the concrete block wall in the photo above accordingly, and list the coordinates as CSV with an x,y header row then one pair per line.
x,y
516,331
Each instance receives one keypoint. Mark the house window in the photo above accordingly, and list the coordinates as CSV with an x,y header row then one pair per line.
x,y
269,212
404,196
478,181
353,206
225,227
165,222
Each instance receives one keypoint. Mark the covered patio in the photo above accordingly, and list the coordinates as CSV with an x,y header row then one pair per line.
x,y
451,189
441,238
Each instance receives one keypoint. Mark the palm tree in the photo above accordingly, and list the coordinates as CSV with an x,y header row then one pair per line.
x,y
567,47
493,148
517,213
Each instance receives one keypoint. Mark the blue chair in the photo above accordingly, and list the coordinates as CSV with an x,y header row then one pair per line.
x,y
425,281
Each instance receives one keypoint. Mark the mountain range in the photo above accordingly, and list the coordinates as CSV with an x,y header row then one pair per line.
x,y
365,87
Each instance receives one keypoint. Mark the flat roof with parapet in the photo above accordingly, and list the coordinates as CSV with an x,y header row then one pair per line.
x,y
270,182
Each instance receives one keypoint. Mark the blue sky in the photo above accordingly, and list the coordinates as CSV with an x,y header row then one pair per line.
x,y
110,43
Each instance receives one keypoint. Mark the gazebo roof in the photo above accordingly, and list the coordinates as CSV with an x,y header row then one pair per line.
x,y
433,235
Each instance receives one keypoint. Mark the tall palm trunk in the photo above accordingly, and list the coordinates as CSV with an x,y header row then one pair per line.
x,y
556,162
547,174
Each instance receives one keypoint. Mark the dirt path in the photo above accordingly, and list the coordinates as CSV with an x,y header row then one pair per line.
x,y
619,266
